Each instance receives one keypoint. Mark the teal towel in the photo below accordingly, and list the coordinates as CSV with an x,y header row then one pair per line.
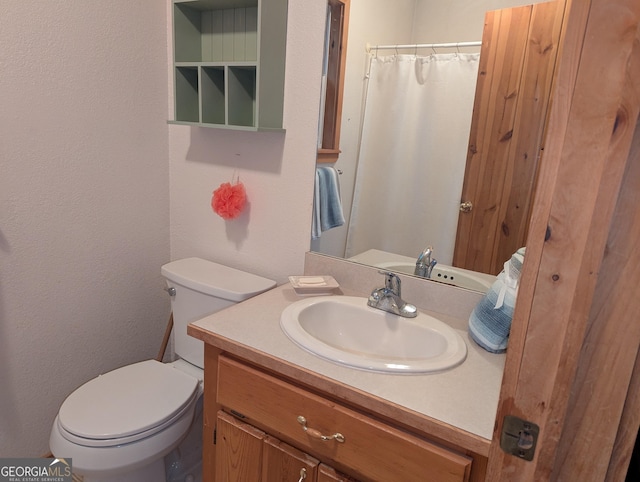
x,y
327,206
490,321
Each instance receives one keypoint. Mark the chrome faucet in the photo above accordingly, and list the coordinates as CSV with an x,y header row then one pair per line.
x,y
425,263
388,298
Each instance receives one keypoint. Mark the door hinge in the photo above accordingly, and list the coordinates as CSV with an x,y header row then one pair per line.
x,y
519,437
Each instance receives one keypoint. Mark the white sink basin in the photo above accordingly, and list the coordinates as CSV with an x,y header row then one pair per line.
x,y
344,330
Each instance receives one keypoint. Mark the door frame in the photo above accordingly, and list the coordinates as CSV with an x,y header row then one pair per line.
x,y
571,363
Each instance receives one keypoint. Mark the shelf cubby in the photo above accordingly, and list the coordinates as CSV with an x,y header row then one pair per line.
x,y
242,95
213,95
187,103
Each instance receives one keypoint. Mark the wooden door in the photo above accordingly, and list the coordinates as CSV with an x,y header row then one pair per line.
x,y
572,364
238,450
517,59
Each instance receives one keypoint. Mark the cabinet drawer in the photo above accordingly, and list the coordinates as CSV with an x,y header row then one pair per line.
x,y
373,450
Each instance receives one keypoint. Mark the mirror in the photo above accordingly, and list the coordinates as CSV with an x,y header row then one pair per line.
x,y
379,22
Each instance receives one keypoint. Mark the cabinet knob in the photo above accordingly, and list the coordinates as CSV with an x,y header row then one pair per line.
x,y
466,207
338,437
303,474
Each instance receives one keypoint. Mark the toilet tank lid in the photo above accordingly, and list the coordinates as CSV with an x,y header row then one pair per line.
x,y
215,279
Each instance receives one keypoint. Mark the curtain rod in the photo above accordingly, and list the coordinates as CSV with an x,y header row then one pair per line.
x,y
425,46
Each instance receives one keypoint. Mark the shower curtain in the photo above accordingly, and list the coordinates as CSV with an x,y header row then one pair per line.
x,y
413,153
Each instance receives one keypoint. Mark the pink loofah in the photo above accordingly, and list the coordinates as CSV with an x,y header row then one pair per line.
x,y
229,200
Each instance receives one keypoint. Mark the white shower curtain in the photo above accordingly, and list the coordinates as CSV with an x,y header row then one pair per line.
x,y
413,154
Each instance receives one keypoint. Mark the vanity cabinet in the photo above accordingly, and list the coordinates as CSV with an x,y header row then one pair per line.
x,y
229,63
280,425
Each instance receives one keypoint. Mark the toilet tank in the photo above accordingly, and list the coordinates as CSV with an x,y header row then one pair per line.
x,y
201,288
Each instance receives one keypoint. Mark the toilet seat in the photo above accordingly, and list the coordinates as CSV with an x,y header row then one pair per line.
x,y
127,404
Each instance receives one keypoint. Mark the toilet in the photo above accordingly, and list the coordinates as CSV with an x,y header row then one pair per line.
x,y
119,426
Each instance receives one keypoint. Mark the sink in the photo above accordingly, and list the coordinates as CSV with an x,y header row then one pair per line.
x,y
344,330
446,274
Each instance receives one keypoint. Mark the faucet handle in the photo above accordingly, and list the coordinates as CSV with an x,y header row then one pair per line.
x,y
426,253
389,298
391,281
425,263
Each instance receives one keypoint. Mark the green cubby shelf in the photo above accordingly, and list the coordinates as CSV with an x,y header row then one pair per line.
x,y
229,60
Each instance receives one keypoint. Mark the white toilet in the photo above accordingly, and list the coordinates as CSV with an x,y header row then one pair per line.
x,y
119,426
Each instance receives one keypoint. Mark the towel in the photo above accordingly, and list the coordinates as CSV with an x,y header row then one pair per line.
x,y
327,207
490,321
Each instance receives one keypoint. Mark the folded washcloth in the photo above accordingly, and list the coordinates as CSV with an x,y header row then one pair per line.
x,y
327,207
490,321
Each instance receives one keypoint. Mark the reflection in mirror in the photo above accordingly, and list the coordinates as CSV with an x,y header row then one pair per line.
x,y
420,217
336,34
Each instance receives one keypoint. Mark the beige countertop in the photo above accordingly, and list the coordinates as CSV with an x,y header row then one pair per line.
x,y
457,405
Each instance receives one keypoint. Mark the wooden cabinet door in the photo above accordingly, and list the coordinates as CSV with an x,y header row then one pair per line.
x,y
283,463
239,448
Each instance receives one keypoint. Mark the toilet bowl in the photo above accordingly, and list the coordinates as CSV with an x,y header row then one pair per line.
x,y
126,420
119,426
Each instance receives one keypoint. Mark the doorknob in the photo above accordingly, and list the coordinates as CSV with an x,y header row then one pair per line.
x,y
466,207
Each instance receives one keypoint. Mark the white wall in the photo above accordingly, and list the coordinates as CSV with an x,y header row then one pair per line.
x,y
84,201
456,20
277,169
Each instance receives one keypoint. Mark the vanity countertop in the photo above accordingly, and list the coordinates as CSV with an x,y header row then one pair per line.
x,y
457,405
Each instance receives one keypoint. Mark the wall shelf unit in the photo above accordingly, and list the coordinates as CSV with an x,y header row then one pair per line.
x,y
229,63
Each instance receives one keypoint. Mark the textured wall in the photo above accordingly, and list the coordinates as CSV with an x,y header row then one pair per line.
x,y
86,159
84,202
